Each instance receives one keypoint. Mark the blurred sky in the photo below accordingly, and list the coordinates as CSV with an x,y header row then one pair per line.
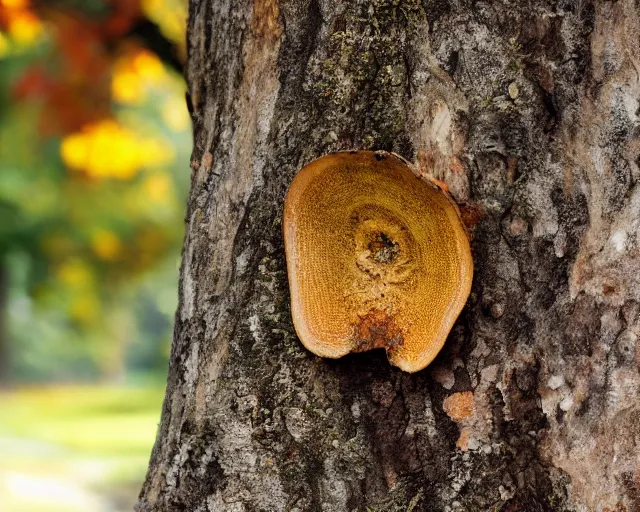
x,y
95,140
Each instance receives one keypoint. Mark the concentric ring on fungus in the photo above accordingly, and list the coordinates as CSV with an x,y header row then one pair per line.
x,y
377,257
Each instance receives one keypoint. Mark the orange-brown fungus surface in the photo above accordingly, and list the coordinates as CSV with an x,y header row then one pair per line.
x,y
459,406
377,257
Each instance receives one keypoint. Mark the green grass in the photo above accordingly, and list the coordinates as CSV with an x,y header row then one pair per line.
x,y
91,420
94,440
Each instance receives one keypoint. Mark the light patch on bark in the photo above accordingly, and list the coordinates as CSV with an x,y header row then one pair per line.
x,y
334,491
191,366
538,189
477,429
257,96
437,139
598,457
188,284
207,383
602,274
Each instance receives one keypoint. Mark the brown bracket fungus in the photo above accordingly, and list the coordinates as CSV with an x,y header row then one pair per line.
x,y
377,257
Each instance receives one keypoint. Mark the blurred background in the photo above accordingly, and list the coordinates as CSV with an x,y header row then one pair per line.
x,y
95,141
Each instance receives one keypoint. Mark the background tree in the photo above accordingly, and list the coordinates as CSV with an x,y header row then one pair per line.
x,y
93,121
529,111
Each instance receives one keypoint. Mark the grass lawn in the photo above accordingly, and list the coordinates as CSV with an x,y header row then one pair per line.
x,y
75,448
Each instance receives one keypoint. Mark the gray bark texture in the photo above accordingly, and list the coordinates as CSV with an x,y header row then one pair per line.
x,y
528,110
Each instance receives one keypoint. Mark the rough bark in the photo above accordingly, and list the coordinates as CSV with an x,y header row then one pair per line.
x,y
529,111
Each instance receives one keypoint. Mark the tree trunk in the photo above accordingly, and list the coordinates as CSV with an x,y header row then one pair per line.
x,y
529,111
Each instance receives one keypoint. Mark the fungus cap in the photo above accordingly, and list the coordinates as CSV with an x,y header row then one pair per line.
x,y
377,257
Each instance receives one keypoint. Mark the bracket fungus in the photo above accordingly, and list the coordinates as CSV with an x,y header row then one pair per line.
x,y
377,257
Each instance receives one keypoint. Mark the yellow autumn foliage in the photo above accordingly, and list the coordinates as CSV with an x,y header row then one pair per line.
x,y
109,150
23,27
106,245
75,274
14,4
157,187
133,76
170,16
